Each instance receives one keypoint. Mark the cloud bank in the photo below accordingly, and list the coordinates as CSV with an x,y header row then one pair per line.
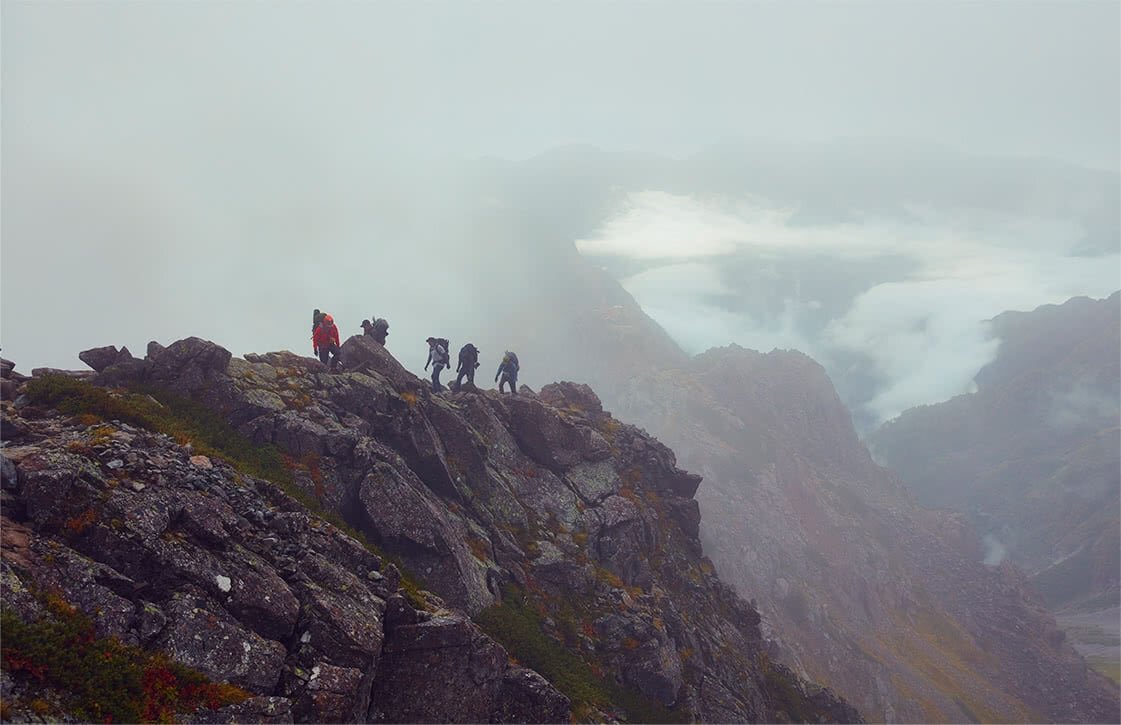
x,y
720,270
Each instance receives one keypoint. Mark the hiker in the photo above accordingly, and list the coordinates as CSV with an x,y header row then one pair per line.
x,y
468,361
381,330
325,342
438,358
367,328
508,369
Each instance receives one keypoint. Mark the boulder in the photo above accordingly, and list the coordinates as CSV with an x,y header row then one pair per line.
x,y
528,697
201,635
190,365
363,354
100,358
572,396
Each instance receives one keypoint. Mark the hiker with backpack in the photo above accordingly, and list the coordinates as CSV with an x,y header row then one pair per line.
x,y
437,357
380,329
468,361
325,342
508,369
377,329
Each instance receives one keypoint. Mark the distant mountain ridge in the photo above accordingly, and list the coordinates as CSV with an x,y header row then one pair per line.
x,y
1033,456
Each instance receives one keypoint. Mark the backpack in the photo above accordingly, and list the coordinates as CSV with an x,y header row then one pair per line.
x,y
442,351
511,360
469,354
316,318
380,324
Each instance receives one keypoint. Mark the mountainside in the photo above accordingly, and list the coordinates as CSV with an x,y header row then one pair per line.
x,y
886,602
1032,457
570,538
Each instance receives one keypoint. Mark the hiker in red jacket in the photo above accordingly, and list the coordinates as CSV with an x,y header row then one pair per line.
x,y
325,342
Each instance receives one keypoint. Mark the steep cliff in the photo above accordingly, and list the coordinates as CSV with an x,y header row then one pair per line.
x,y
888,603
569,537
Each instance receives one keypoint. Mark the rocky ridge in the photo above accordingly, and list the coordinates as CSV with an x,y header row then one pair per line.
x,y
541,501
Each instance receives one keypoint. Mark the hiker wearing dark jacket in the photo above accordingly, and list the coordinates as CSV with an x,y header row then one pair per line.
x,y
438,358
380,329
508,369
468,361
325,342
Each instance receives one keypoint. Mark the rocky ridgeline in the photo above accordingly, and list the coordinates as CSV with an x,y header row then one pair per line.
x,y
539,508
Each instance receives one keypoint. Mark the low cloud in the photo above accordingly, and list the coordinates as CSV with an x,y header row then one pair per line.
x,y
719,271
995,552
1085,404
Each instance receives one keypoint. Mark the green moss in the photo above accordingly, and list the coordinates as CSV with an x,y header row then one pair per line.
x,y
102,679
516,624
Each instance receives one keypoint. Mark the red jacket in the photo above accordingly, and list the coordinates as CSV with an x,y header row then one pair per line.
x,y
323,337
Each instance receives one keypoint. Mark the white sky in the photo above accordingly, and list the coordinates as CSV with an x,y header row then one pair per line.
x,y
219,168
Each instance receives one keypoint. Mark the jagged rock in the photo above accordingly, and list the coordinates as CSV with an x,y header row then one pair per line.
x,y
362,353
6,368
153,350
527,697
655,668
334,694
594,481
571,396
187,366
461,674
99,358
405,514
201,635
543,436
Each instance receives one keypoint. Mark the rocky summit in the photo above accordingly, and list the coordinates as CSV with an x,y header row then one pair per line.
x,y
259,539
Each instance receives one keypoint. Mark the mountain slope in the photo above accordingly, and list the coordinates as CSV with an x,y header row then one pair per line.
x,y
886,602
567,535
1032,456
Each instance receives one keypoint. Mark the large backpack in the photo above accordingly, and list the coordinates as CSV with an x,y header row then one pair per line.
x,y
512,360
442,355
469,354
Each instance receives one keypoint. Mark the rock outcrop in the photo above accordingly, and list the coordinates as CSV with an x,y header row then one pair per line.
x,y
231,577
536,508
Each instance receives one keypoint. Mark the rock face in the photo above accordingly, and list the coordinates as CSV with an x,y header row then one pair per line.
x,y
585,522
861,589
231,577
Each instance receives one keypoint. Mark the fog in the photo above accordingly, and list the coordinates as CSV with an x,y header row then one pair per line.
x,y
867,182
921,329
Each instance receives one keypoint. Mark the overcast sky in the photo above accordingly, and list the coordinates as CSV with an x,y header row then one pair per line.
x,y
176,168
